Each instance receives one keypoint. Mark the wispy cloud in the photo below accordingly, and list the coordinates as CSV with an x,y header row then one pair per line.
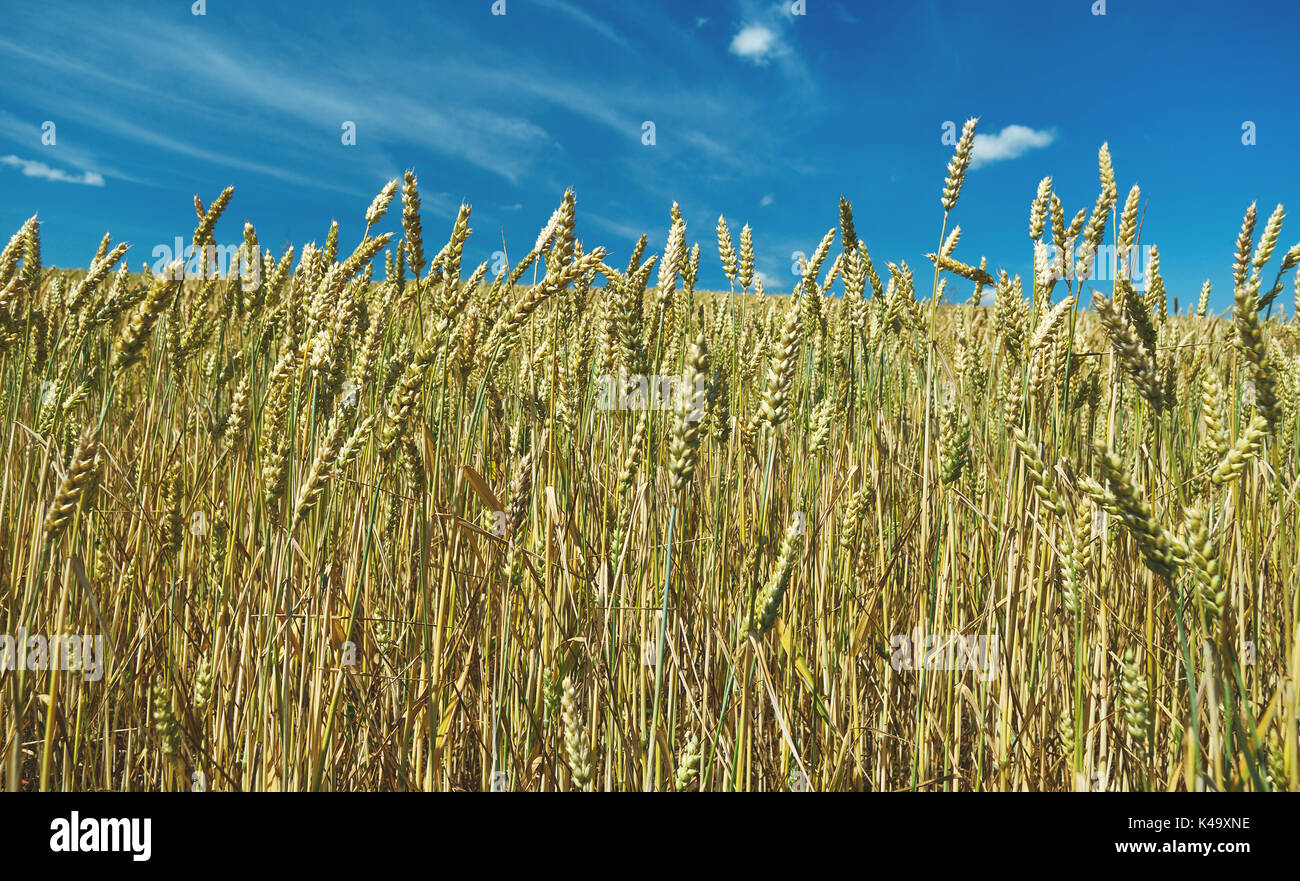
x,y
33,168
586,19
767,200
257,81
845,15
143,134
1010,143
695,121
714,149
508,112
628,231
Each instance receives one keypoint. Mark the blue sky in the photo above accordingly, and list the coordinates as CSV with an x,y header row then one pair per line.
x,y
759,114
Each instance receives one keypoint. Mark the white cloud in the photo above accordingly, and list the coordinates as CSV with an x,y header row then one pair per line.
x,y
755,43
1011,142
25,133
766,36
767,200
33,168
701,21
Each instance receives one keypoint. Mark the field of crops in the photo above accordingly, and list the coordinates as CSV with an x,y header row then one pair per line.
x,y
363,518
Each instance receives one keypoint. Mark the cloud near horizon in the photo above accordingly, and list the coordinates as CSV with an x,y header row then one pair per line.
x,y
33,168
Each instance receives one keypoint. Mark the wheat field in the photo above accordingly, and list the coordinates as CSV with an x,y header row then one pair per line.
x,y
570,525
